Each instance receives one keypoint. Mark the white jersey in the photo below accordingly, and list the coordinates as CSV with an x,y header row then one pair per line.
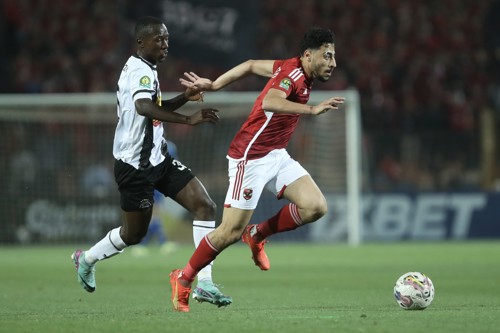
x,y
138,139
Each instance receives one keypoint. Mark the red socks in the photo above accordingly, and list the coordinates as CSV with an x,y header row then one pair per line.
x,y
288,218
202,256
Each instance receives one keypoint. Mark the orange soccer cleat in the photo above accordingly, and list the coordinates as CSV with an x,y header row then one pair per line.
x,y
259,256
180,294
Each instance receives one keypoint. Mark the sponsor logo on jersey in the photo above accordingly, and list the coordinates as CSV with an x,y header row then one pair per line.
x,y
247,193
145,82
285,83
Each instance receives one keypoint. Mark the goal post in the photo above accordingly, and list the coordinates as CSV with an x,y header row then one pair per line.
x,y
354,169
56,140
350,118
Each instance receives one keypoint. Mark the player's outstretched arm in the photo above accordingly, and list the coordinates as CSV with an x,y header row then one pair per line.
x,y
203,116
275,101
145,107
258,67
327,105
191,94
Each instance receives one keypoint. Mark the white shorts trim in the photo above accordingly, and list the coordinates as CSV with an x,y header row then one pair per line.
x,y
247,178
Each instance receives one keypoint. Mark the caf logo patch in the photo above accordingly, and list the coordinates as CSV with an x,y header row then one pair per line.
x,y
285,84
247,193
145,82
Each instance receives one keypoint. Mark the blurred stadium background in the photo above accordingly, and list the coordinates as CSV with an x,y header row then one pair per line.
x,y
427,73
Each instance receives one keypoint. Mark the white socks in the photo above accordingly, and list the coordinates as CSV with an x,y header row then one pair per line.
x,y
110,245
200,230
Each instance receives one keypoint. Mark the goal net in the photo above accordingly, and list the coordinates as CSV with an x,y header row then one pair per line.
x,y
57,182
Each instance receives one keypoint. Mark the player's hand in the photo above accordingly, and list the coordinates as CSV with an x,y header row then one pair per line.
x,y
191,80
203,116
194,94
327,105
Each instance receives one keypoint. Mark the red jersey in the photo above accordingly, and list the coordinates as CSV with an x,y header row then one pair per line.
x,y
264,131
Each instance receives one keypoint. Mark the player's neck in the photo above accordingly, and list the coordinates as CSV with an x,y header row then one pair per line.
x,y
306,68
151,63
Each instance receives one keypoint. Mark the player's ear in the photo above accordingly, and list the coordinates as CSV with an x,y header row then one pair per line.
x,y
139,41
308,55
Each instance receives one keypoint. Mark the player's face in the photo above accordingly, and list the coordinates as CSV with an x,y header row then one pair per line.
x,y
155,44
323,62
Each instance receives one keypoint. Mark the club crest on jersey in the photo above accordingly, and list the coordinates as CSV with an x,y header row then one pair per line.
x,y
247,193
145,82
285,83
156,123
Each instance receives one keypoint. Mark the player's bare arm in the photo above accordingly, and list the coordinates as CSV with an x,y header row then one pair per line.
x,y
257,67
203,116
145,107
327,105
191,94
275,101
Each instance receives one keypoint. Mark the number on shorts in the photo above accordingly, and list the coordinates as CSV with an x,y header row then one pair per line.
x,y
179,165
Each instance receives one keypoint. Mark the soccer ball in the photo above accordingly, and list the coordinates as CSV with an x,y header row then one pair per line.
x,y
414,291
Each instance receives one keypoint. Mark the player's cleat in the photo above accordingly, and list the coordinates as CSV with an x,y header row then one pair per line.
x,y
84,271
180,294
259,256
207,291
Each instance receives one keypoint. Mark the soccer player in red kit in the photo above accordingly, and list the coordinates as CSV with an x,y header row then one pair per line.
x,y
258,157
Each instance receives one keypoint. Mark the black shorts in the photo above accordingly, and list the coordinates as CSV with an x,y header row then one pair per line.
x,y
137,186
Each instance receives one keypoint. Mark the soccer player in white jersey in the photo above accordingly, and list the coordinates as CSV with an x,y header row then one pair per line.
x,y
258,158
143,164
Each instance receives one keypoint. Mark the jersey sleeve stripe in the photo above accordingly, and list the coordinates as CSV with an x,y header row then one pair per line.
x,y
143,91
296,74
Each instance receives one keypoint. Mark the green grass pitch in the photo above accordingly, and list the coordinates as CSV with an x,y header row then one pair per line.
x,y
310,288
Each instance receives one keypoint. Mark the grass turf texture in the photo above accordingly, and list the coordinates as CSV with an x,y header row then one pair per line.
x,y
310,288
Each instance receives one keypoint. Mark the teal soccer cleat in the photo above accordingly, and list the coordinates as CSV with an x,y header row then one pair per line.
x,y
207,291
84,271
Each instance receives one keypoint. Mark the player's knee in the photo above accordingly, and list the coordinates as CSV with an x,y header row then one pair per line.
x,y
133,238
321,211
317,209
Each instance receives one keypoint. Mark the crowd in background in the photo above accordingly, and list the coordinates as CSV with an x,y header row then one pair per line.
x,y
425,70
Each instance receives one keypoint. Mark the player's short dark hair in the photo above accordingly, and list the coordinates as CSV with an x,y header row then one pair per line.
x,y
315,38
145,24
